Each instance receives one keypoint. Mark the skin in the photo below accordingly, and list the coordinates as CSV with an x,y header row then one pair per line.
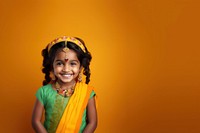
x,y
66,67
92,116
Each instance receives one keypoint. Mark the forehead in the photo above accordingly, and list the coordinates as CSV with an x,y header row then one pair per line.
x,y
70,55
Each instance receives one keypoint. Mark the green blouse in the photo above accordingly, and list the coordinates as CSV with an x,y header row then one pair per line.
x,y
54,105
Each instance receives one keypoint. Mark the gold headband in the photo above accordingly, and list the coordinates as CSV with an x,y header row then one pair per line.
x,y
66,39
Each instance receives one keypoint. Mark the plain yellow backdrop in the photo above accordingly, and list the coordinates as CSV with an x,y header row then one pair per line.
x,y
145,63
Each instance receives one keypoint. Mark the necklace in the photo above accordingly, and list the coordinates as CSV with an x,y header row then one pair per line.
x,y
65,92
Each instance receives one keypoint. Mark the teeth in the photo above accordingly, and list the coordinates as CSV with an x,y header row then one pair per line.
x,y
67,75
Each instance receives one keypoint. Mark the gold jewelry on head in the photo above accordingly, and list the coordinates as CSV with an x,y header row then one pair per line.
x,y
66,39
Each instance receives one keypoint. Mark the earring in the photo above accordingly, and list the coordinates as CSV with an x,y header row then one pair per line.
x,y
52,76
80,77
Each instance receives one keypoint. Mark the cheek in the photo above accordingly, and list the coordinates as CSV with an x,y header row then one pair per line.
x,y
76,70
57,69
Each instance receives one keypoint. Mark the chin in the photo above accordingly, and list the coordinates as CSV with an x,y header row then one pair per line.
x,y
66,80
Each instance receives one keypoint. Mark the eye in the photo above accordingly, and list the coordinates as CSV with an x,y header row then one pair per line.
x,y
59,63
73,63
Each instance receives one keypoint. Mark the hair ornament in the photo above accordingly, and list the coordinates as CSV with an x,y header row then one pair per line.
x,y
66,39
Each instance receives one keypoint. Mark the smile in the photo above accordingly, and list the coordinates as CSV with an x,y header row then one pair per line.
x,y
67,75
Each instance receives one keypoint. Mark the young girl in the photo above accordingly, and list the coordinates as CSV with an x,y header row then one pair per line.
x,y
66,97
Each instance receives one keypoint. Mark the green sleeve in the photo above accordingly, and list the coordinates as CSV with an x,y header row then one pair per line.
x,y
40,95
92,94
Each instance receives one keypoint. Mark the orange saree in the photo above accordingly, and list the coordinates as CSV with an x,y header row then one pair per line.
x,y
72,116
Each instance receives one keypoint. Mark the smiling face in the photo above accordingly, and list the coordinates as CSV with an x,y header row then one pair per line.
x,y
66,66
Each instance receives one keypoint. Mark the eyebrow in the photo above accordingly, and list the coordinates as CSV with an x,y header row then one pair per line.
x,y
68,60
58,60
74,60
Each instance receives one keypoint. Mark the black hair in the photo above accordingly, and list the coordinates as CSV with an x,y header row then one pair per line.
x,y
49,56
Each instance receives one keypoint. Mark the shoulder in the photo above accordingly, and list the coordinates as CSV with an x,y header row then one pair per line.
x,y
44,90
93,91
88,88
46,86
92,88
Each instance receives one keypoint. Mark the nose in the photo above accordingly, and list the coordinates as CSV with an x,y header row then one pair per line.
x,y
66,68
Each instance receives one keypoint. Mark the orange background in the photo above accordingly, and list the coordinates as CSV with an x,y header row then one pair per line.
x,y
145,63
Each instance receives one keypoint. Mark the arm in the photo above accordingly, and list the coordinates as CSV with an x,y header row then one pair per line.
x,y
91,116
36,118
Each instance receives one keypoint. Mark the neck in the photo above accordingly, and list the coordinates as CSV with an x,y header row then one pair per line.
x,y
65,86
65,91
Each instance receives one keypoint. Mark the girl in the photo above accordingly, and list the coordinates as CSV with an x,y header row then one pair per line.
x,y
66,97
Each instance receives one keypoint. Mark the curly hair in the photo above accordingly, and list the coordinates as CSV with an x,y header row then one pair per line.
x,y
49,56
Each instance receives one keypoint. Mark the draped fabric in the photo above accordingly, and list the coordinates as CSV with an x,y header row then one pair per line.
x,y
72,116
